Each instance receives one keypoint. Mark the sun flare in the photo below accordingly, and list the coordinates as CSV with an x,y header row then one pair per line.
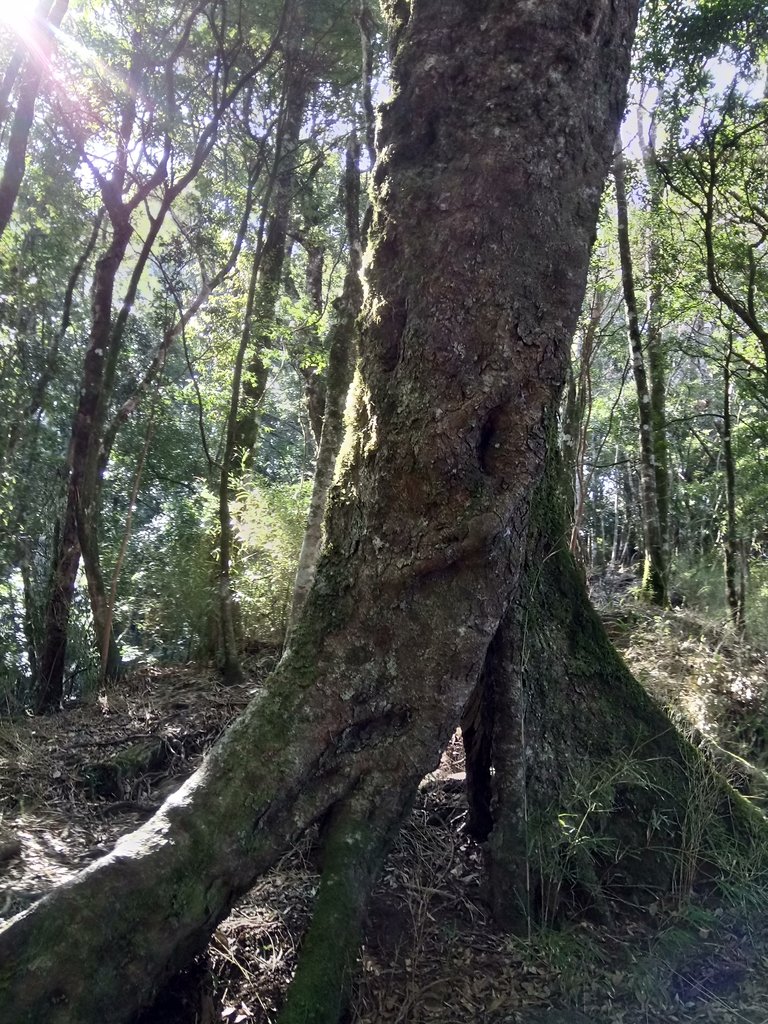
x,y
17,14
28,21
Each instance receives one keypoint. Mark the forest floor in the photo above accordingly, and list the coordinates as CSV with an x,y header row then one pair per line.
x,y
71,784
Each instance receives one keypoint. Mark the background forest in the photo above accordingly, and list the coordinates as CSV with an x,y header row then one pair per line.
x,y
176,165
184,205
179,161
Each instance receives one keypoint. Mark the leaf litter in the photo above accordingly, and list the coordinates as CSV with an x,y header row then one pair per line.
x,y
432,953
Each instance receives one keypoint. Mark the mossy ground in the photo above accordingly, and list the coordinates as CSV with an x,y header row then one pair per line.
x,y
432,953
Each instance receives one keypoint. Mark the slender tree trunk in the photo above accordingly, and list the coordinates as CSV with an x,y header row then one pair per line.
x,y
227,634
29,613
83,461
734,588
367,29
314,381
341,358
463,355
657,380
307,337
250,373
579,418
657,368
48,372
629,541
654,586
272,258
615,547
106,634
230,659
110,660
90,443
49,687
31,76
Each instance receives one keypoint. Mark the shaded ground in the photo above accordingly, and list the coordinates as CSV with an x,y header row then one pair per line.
x,y
71,784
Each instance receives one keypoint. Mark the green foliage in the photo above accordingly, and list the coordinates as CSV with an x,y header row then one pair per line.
x,y
269,525
167,608
574,851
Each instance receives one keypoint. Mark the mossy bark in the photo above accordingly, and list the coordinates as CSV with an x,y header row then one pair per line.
x,y
485,210
593,786
356,841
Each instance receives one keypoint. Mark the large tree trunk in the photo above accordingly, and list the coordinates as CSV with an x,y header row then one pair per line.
x,y
486,209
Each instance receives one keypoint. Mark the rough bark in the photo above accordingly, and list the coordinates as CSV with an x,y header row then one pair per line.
x,y
341,357
592,786
356,841
654,586
487,206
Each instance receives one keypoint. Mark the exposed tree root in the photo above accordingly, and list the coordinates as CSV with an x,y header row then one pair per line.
x,y
357,839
